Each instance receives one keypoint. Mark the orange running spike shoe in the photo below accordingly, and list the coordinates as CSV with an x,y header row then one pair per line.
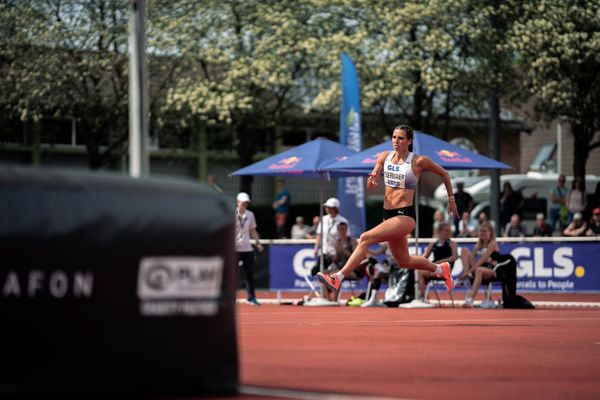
x,y
329,280
446,275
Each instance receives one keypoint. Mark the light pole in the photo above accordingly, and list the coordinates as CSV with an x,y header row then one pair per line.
x,y
138,91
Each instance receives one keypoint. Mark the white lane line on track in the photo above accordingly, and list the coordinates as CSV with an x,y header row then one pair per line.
x,y
413,321
584,304
302,395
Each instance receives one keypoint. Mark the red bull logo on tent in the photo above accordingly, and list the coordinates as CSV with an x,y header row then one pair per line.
x,y
371,160
286,163
453,156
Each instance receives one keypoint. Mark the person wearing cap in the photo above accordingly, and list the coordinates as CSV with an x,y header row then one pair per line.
x,y
577,227
542,228
245,229
401,169
594,229
299,229
327,231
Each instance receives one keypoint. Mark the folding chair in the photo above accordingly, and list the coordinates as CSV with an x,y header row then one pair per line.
x,y
433,284
313,288
488,302
350,282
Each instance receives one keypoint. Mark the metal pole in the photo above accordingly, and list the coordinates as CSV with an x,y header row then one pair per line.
x,y
322,250
321,256
559,147
417,252
494,144
417,224
138,91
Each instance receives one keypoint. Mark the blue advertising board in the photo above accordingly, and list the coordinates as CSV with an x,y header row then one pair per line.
x,y
289,264
351,189
556,267
566,267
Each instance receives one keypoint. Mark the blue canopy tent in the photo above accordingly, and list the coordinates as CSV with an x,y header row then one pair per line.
x,y
304,161
443,153
307,160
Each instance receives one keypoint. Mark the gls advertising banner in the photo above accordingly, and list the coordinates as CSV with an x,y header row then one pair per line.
x,y
556,267
562,267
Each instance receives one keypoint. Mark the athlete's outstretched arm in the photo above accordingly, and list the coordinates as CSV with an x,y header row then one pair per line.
x,y
426,164
374,175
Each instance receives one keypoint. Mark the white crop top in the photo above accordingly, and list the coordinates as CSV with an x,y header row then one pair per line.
x,y
399,175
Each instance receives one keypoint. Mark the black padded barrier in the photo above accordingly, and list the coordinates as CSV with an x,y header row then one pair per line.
x,y
115,286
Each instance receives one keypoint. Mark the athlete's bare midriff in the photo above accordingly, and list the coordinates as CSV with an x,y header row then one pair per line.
x,y
397,198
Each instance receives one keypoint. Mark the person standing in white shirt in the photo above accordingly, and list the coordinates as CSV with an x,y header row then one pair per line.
x,y
245,229
328,237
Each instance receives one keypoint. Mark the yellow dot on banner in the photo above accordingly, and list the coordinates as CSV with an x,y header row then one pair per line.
x,y
579,271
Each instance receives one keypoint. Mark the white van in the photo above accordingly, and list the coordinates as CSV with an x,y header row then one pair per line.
x,y
534,186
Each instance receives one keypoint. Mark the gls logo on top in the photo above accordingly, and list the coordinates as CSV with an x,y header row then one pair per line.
x,y
180,285
393,168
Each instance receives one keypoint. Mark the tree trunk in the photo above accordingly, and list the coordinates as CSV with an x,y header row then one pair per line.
x,y
93,150
580,149
448,106
36,154
246,149
202,150
494,144
416,119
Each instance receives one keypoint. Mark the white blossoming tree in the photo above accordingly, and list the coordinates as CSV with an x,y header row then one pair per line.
x,y
249,64
558,42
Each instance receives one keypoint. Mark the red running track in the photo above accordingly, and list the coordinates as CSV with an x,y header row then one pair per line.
x,y
436,353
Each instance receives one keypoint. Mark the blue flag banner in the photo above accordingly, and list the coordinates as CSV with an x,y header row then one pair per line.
x,y
351,190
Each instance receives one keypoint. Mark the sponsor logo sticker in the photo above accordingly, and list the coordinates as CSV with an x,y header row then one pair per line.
x,y
180,285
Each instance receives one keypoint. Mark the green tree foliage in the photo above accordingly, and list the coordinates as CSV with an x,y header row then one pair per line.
x,y
244,65
247,63
68,59
412,59
558,42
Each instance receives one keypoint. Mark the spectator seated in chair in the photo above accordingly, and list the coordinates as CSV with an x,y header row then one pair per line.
x,y
377,272
505,272
514,228
467,226
594,227
576,228
445,249
542,228
479,269
344,244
